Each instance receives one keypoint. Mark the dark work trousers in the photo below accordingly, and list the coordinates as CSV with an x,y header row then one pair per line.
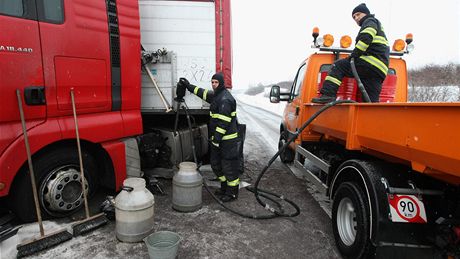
x,y
371,80
225,159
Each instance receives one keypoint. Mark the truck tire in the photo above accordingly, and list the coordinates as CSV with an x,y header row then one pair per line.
x,y
350,222
287,156
58,184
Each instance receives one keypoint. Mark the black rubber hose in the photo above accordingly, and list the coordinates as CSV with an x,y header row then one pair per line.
x,y
176,125
263,193
360,84
256,185
191,134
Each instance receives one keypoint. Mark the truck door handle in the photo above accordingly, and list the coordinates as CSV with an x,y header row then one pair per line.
x,y
34,95
297,110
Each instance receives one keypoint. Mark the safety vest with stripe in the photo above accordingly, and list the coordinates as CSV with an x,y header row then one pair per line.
x,y
223,122
372,45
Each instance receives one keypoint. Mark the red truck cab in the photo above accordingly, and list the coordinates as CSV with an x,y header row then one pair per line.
x,y
48,48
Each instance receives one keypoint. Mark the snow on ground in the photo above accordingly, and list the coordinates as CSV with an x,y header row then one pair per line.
x,y
27,233
262,102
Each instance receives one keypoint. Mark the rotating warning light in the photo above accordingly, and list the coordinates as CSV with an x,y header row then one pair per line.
x,y
409,38
399,45
315,32
328,40
345,41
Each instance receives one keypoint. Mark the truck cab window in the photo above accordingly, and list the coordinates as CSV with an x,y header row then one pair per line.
x,y
51,11
13,8
297,85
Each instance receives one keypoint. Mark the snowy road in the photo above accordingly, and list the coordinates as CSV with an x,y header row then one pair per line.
x,y
261,121
266,124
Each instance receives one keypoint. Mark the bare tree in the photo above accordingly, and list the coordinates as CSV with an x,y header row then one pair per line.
x,y
435,83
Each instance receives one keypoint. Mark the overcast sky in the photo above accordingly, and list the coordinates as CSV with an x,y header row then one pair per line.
x,y
272,37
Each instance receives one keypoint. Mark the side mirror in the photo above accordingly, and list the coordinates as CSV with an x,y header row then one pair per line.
x,y
275,94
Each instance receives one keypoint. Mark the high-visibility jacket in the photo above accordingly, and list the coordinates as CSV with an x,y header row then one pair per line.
x,y
223,121
372,45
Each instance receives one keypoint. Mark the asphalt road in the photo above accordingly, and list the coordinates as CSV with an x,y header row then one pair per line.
x,y
214,232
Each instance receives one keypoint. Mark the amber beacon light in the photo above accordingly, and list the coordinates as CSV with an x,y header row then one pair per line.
x,y
409,38
328,40
345,41
399,45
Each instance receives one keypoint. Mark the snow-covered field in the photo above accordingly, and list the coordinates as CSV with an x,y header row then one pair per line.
x,y
449,93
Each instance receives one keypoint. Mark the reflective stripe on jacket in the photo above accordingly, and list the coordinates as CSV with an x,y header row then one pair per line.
x,y
372,45
223,123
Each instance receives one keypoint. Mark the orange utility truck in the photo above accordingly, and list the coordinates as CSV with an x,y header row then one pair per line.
x,y
391,169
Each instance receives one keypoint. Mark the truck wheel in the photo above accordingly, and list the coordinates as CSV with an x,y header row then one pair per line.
x,y
58,184
350,222
287,156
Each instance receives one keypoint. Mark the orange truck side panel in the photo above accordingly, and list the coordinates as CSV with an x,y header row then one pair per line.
x,y
424,135
421,135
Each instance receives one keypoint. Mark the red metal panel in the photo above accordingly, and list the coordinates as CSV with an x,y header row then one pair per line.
x,y
15,155
88,78
224,40
20,67
83,35
116,151
95,128
132,123
388,89
129,27
348,90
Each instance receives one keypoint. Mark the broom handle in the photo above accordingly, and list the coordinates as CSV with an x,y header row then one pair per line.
x,y
160,93
29,161
82,175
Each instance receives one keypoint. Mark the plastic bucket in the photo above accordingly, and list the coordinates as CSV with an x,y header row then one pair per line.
x,y
162,244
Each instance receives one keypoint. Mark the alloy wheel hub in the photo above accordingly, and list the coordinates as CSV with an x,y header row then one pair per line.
x,y
62,191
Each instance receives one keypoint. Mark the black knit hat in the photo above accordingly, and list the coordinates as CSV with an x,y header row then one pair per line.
x,y
219,77
362,8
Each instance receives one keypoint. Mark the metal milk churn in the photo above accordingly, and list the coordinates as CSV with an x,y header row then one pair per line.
x,y
134,211
187,188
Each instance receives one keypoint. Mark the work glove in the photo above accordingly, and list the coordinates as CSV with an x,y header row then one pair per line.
x,y
186,83
355,54
180,91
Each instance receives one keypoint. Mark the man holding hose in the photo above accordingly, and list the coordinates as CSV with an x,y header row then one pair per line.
x,y
371,55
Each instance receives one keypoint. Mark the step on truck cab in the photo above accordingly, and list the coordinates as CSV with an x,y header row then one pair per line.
x,y
391,169
48,48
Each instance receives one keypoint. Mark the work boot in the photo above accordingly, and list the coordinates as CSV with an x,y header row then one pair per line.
x,y
323,99
222,190
231,194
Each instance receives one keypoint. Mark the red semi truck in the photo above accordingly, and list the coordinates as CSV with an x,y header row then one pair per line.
x,y
49,47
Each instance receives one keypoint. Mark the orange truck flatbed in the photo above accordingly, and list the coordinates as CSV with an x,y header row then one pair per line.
x,y
423,135
391,169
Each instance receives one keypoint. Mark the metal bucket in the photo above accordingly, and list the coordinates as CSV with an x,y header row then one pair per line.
x,y
162,244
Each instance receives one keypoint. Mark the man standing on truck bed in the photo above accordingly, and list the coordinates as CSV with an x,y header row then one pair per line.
x,y
371,55
223,128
